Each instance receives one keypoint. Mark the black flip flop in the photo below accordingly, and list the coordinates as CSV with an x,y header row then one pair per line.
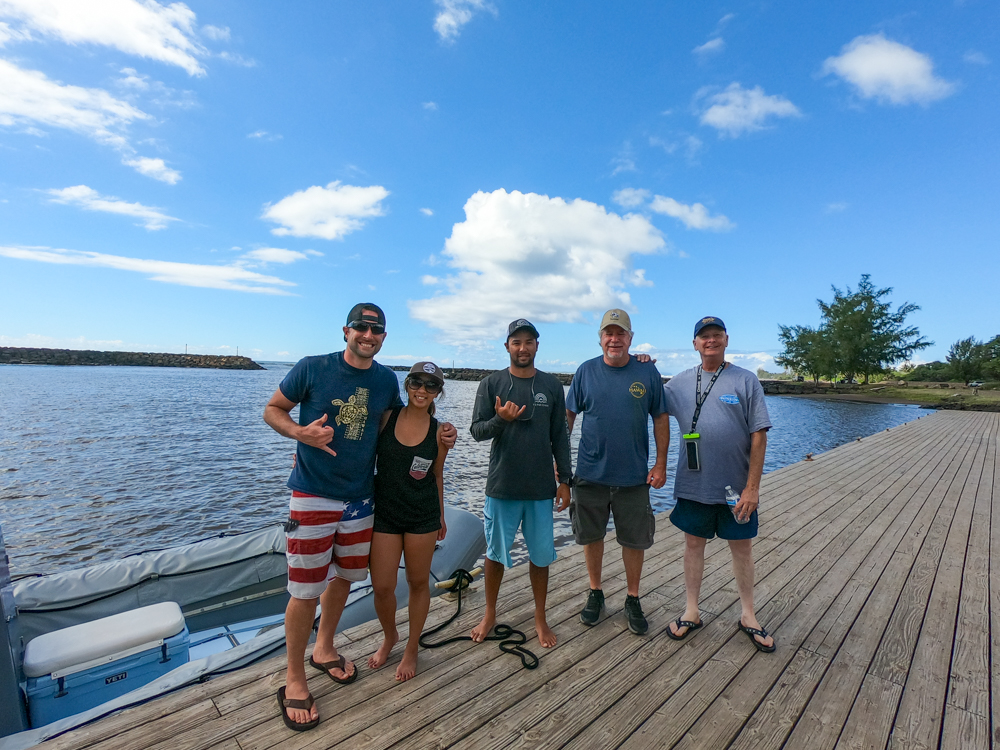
x,y
682,624
306,704
339,663
751,632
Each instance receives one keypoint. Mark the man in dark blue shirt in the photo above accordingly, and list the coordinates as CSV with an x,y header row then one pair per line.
x,y
616,394
341,398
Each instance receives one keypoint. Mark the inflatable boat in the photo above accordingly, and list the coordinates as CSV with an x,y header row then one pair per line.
x,y
86,642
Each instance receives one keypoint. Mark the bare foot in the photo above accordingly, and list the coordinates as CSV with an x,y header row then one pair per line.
x,y
407,667
545,635
379,658
484,627
299,691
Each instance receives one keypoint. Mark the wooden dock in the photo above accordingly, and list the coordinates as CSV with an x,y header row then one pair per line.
x,y
878,572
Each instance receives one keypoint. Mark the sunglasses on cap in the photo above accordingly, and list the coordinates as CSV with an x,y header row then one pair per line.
x,y
375,328
431,386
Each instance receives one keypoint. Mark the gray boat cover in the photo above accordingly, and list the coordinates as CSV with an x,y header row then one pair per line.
x,y
73,587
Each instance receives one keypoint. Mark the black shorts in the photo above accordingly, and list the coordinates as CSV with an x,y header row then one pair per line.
x,y
401,517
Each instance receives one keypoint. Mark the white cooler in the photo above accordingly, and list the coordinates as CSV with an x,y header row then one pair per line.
x,y
76,668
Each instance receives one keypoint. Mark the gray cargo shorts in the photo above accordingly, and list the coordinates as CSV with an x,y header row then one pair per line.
x,y
593,504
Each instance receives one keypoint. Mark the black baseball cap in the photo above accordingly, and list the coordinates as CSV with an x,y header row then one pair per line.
x,y
367,313
521,324
709,321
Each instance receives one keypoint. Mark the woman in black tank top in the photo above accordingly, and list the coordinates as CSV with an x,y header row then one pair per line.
x,y
409,511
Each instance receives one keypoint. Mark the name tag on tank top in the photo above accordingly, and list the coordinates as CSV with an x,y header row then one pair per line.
x,y
419,467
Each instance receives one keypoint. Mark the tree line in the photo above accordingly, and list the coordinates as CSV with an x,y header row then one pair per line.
x,y
968,360
860,335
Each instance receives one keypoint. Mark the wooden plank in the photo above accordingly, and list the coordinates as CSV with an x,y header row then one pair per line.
x,y
969,681
918,721
771,723
870,720
964,730
143,735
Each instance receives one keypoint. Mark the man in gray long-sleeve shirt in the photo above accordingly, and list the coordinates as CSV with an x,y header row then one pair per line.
x,y
523,410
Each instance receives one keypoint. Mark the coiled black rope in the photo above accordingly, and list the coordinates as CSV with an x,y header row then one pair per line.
x,y
511,640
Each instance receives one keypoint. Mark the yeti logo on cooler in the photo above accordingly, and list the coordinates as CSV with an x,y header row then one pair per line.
x,y
115,678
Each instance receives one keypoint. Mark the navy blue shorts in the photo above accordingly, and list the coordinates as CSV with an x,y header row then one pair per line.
x,y
707,521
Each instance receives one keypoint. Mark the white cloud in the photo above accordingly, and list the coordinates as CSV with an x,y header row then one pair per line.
x,y
726,19
238,59
695,216
329,212
737,110
976,58
674,361
888,71
90,200
218,33
836,207
430,106
530,255
29,97
454,14
155,168
426,212
233,276
712,46
630,197
34,340
429,280
624,162
146,29
266,255
264,135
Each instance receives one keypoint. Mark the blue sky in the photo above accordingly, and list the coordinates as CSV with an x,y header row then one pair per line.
x,y
221,175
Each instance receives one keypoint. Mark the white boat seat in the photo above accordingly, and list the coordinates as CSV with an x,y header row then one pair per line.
x,y
60,651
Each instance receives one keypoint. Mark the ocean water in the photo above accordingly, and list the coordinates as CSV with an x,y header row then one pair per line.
x,y
101,462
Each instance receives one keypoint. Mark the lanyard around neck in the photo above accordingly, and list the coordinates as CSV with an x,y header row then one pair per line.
x,y
700,398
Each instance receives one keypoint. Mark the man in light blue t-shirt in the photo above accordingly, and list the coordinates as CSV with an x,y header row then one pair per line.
x,y
721,413
617,394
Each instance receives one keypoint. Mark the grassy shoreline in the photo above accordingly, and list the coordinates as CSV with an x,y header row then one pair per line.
x,y
954,397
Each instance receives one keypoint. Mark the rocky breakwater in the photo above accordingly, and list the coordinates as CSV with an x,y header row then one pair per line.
x,y
791,387
23,356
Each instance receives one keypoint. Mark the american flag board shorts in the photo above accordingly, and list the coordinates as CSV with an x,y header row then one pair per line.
x,y
332,540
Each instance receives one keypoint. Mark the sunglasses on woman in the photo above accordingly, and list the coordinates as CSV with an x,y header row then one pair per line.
x,y
415,384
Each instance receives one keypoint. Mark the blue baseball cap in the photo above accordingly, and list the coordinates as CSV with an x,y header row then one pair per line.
x,y
709,321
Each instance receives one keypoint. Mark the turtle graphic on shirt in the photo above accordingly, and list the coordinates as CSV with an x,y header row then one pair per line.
x,y
353,413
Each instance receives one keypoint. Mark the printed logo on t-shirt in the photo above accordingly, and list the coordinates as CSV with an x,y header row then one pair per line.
x,y
637,389
541,399
419,467
353,413
729,398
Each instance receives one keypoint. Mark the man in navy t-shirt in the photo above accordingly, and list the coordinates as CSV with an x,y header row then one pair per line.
x,y
616,394
341,398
